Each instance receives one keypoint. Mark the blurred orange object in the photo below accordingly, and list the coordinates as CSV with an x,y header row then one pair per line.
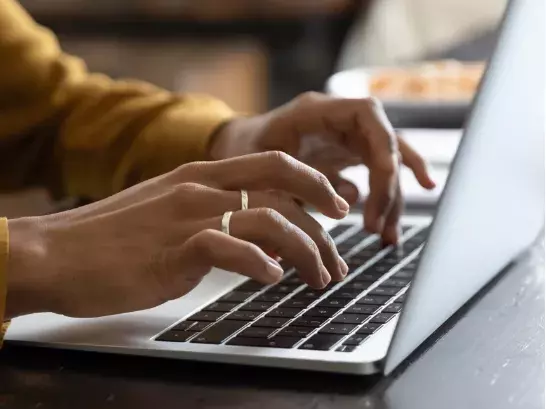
x,y
436,80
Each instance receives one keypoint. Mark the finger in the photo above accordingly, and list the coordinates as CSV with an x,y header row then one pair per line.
x,y
217,202
270,230
391,231
346,189
297,216
277,171
368,131
416,163
211,248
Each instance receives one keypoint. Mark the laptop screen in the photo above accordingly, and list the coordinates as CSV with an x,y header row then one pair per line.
x,y
493,205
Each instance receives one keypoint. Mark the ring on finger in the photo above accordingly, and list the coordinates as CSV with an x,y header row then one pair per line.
x,y
244,199
225,222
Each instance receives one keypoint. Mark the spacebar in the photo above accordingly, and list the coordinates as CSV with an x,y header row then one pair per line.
x,y
219,331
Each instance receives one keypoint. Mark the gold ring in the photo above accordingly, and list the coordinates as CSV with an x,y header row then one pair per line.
x,y
225,222
244,199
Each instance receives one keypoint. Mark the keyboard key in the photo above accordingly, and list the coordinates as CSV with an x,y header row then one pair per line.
x,y
404,274
394,307
260,306
257,332
373,299
284,312
243,315
351,318
237,296
339,229
367,275
270,297
206,316
192,326
368,328
218,332
221,306
386,291
381,268
199,326
300,332
313,322
401,298
293,279
282,288
276,342
334,303
407,227
382,318
309,294
358,285
175,336
272,322
368,309
342,329
411,266
321,342
184,325
356,339
346,348
296,303
251,286
321,312
396,282
346,294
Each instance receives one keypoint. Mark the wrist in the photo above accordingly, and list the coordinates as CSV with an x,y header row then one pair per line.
x,y
27,287
233,138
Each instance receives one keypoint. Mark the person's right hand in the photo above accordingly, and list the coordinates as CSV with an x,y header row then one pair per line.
x,y
155,241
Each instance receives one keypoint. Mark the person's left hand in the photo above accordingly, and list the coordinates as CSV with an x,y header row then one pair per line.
x,y
331,134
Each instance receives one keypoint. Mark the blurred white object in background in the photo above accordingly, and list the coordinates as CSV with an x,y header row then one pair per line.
x,y
394,31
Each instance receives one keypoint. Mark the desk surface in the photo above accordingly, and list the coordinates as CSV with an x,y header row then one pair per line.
x,y
491,357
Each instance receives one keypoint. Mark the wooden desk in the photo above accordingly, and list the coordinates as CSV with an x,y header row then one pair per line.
x,y
492,357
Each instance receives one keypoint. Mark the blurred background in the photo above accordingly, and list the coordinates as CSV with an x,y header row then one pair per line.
x,y
258,54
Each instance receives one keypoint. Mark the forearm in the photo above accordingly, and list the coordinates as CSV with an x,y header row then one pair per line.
x,y
85,134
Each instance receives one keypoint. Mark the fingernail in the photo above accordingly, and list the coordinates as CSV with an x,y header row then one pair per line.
x,y
343,266
325,276
342,204
274,269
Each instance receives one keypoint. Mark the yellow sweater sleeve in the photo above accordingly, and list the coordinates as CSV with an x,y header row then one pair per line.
x,y
3,263
84,134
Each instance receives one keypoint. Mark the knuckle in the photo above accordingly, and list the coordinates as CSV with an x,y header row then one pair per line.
x,y
201,242
308,97
189,169
323,182
373,102
280,158
386,166
268,215
419,162
187,192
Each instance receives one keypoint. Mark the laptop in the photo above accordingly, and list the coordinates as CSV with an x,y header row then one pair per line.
x,y
491,210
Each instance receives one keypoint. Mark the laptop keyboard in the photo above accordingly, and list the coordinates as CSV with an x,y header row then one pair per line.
x,y
290,314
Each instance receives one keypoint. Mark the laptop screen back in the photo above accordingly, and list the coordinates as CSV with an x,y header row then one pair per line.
x,y
493,205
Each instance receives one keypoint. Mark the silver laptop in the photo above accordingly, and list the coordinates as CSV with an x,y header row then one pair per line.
x,y
491,210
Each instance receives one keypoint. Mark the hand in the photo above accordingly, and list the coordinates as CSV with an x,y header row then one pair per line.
x,y
155,241
331,134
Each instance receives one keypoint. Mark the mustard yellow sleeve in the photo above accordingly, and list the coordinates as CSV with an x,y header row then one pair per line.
x,y
3,280
83,134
